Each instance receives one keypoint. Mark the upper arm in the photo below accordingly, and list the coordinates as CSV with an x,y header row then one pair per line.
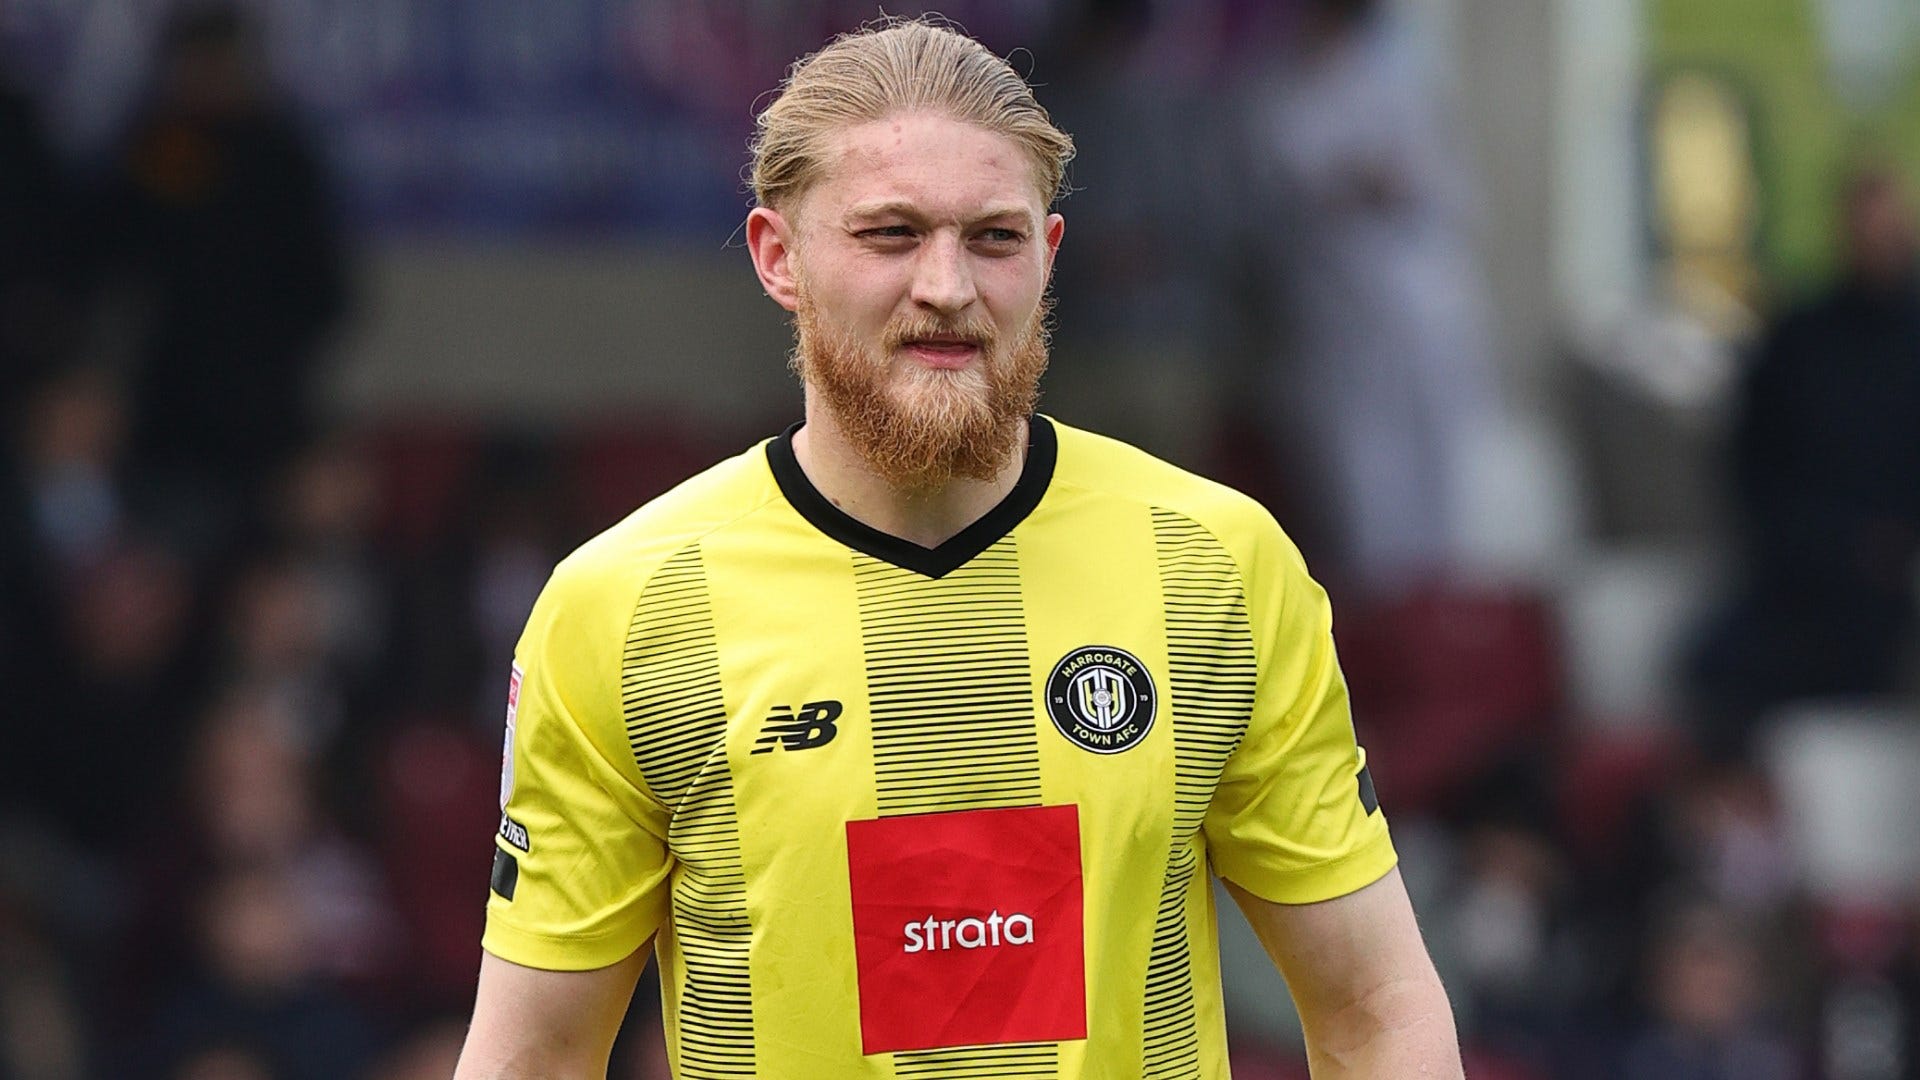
x,y
1293,818
547,1024
1369,999
1297,834
582,862
1337,954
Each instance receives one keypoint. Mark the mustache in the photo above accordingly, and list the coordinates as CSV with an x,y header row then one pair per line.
x,y
975,332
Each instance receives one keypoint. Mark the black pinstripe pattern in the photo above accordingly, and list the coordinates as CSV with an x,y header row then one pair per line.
x,y
950,693
1211,675
676,720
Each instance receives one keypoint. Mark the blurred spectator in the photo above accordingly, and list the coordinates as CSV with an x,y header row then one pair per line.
x,y
42,1036
1827,473
1391,371
259,808
1724,836
251,808
514,546
325,520
329,507
517,515
69,487
1512,965
1706,1006
1137,89
37,313
60,508
96,615
1712,832
113,681
218,213
1865,1008
278,648
436,788
254,995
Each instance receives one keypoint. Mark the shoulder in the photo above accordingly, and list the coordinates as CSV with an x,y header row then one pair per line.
x,y
615,566
1107,467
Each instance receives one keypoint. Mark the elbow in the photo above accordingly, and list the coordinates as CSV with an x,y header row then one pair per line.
x,y
1403,1027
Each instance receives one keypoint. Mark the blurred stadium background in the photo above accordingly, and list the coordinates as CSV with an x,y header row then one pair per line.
x,y
1577,342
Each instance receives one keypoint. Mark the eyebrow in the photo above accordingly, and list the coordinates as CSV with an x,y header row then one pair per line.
x,y
902,208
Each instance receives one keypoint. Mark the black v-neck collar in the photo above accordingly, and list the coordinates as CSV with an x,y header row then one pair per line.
x,y
934,562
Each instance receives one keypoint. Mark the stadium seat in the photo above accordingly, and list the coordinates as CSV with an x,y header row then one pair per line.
x,y
424,464
619,467
1446,683
438,794
1603,776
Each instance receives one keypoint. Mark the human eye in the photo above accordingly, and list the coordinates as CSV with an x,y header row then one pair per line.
x,y
1000,240
885,233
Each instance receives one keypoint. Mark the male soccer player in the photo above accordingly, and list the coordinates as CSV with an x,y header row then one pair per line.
x,y
909,740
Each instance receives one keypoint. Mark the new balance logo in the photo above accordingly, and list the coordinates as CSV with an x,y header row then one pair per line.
x,y
812,726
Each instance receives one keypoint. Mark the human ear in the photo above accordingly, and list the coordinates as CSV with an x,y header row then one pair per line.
x,y
770,242
1055,228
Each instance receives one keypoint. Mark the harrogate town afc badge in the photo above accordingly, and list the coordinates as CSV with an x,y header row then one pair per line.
x,y
1101,698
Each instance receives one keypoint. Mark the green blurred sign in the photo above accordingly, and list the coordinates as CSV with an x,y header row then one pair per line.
x,y
1824,82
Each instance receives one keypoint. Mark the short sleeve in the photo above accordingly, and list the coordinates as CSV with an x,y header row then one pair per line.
x,y
581,870
1294,819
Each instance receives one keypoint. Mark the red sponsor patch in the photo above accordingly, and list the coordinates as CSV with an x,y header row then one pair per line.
x,y
967,928
506,750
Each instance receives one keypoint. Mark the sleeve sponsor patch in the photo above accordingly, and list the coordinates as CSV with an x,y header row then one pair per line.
x,y
506,751
515,834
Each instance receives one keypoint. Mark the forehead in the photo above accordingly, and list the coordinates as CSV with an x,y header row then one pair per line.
x,y
941,167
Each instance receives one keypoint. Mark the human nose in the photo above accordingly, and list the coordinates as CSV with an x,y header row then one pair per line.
x,y
943,276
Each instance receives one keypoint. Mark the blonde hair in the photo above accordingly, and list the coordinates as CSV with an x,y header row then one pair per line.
x,y
894,67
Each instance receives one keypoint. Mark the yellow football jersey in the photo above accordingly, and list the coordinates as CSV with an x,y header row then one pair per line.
x,y
951,812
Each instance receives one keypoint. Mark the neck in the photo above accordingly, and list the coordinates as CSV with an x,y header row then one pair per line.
x,y
928,516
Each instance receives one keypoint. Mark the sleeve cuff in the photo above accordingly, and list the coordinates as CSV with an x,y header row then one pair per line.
x,y
1348,873
563,951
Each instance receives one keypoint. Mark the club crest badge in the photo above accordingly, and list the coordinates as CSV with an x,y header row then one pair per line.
x,y
1101,698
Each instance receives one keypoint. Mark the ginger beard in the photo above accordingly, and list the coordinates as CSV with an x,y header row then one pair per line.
x,y
919,428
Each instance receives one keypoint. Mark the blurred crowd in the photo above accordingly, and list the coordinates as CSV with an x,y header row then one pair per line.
x,y
256,658
248,783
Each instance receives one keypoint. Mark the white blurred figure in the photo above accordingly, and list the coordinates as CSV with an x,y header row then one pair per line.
x,y
1391,380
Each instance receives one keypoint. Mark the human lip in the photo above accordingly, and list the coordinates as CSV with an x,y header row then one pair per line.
x,y
943,352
